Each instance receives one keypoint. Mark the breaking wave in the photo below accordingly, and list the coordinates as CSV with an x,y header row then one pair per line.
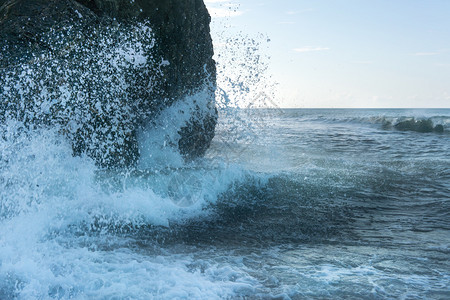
x,y
72,229
385,118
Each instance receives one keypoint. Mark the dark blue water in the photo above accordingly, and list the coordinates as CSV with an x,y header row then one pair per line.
x,y
287,204
352,207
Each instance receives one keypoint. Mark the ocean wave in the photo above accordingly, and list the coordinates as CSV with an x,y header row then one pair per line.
x,y
406,120
71,229
65,221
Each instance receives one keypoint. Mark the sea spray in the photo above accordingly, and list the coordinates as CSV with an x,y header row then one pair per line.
x,y
347,209
78,82
62,216
72,229
69,229
246,96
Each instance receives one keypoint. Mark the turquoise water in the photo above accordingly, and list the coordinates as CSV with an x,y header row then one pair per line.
x,y
287,204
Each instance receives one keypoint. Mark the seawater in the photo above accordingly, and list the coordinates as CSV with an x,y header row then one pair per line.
x,y
287,204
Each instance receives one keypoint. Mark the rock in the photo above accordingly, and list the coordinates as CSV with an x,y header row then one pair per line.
x,y
439,128
415,125
99,97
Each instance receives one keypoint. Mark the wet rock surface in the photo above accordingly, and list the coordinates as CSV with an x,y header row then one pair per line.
x,y
60,43
423,126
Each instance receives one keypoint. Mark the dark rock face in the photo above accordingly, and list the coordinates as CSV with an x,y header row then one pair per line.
x,y
439,128
103,97
415,125
423,126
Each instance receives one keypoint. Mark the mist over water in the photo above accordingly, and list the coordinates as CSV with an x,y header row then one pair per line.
x,y
286,204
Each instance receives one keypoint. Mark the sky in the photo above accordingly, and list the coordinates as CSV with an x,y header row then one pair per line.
x,y
348,53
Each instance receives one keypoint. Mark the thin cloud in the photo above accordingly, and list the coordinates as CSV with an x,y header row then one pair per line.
x,y
363,62
425,53
311,49
296,12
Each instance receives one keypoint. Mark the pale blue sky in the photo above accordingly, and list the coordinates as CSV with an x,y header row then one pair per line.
x,y
350,53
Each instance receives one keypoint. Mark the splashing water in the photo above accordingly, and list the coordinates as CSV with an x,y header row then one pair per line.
x,y
71,230
285,204
112,64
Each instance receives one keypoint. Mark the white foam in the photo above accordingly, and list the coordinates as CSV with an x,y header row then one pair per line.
x,y
61,218
49,197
